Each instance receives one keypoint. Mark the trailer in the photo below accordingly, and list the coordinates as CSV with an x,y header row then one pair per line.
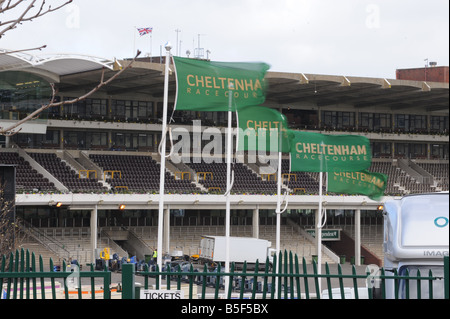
x,y
416,238
242,249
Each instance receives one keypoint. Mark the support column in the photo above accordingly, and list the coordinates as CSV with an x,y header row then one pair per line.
x,y
358,237
94,231
166,230
318,238
255,223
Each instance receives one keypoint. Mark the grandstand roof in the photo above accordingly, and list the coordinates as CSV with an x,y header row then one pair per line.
x,y
293,89
360,92
78,73
51,66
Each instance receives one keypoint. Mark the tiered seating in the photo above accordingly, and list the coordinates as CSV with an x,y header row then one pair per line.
x,y
139,173
440,172
417,188
66,175
299,181
394,174
27,178
245,181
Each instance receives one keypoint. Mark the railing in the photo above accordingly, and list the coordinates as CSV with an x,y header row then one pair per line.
x,y
21,279
43,239
286,278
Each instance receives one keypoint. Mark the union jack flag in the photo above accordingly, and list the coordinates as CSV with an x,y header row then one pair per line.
x,y
144,31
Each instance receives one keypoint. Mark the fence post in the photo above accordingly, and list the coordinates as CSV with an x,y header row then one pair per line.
x,y
128,289
446,277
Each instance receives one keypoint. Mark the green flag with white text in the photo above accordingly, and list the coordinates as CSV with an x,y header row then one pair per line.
x,y
262,129
206,85
364,182
314,152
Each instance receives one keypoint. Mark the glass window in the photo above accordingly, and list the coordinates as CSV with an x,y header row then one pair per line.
x,y
118,110
382,121
119,140
97,139
439,124
402,122
21,93
439,151
75,110
145,140
418,150
145,111
75,140
381,149
338,120
96,108
418,123
401,150
366,121
51,137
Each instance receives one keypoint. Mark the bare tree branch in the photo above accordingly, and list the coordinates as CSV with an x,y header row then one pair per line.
x,y
9,6
26,15
24,50
9,131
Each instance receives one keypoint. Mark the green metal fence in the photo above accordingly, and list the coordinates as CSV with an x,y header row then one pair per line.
x,y
287,279
20,278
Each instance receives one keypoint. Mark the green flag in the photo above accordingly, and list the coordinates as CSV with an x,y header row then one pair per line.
x,y
363,182
206,85
259,129
314,152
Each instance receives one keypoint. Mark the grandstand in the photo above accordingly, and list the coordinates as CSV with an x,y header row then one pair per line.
x,y
101,152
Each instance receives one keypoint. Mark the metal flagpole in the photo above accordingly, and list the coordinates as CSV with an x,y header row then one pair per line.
x,y
163,158
278,209
279,181
134,39
278,213
227,194
151,45
279,201
319,226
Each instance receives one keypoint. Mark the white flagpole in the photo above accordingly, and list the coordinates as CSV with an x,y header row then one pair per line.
x,y
278,213
163,158
134,39
319,232
227,194
278,210
151,44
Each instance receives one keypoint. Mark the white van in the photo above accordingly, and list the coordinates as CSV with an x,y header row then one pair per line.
x,y
416,237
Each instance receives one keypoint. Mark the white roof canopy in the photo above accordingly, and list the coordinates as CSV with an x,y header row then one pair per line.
x,y
54,65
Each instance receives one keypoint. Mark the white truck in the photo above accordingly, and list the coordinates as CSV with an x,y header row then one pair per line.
x,y
213,250
416,237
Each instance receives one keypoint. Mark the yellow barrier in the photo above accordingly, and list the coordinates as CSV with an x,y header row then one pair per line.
x,y
112,173
87,171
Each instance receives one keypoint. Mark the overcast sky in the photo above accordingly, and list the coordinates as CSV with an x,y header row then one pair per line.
x,y
369,38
